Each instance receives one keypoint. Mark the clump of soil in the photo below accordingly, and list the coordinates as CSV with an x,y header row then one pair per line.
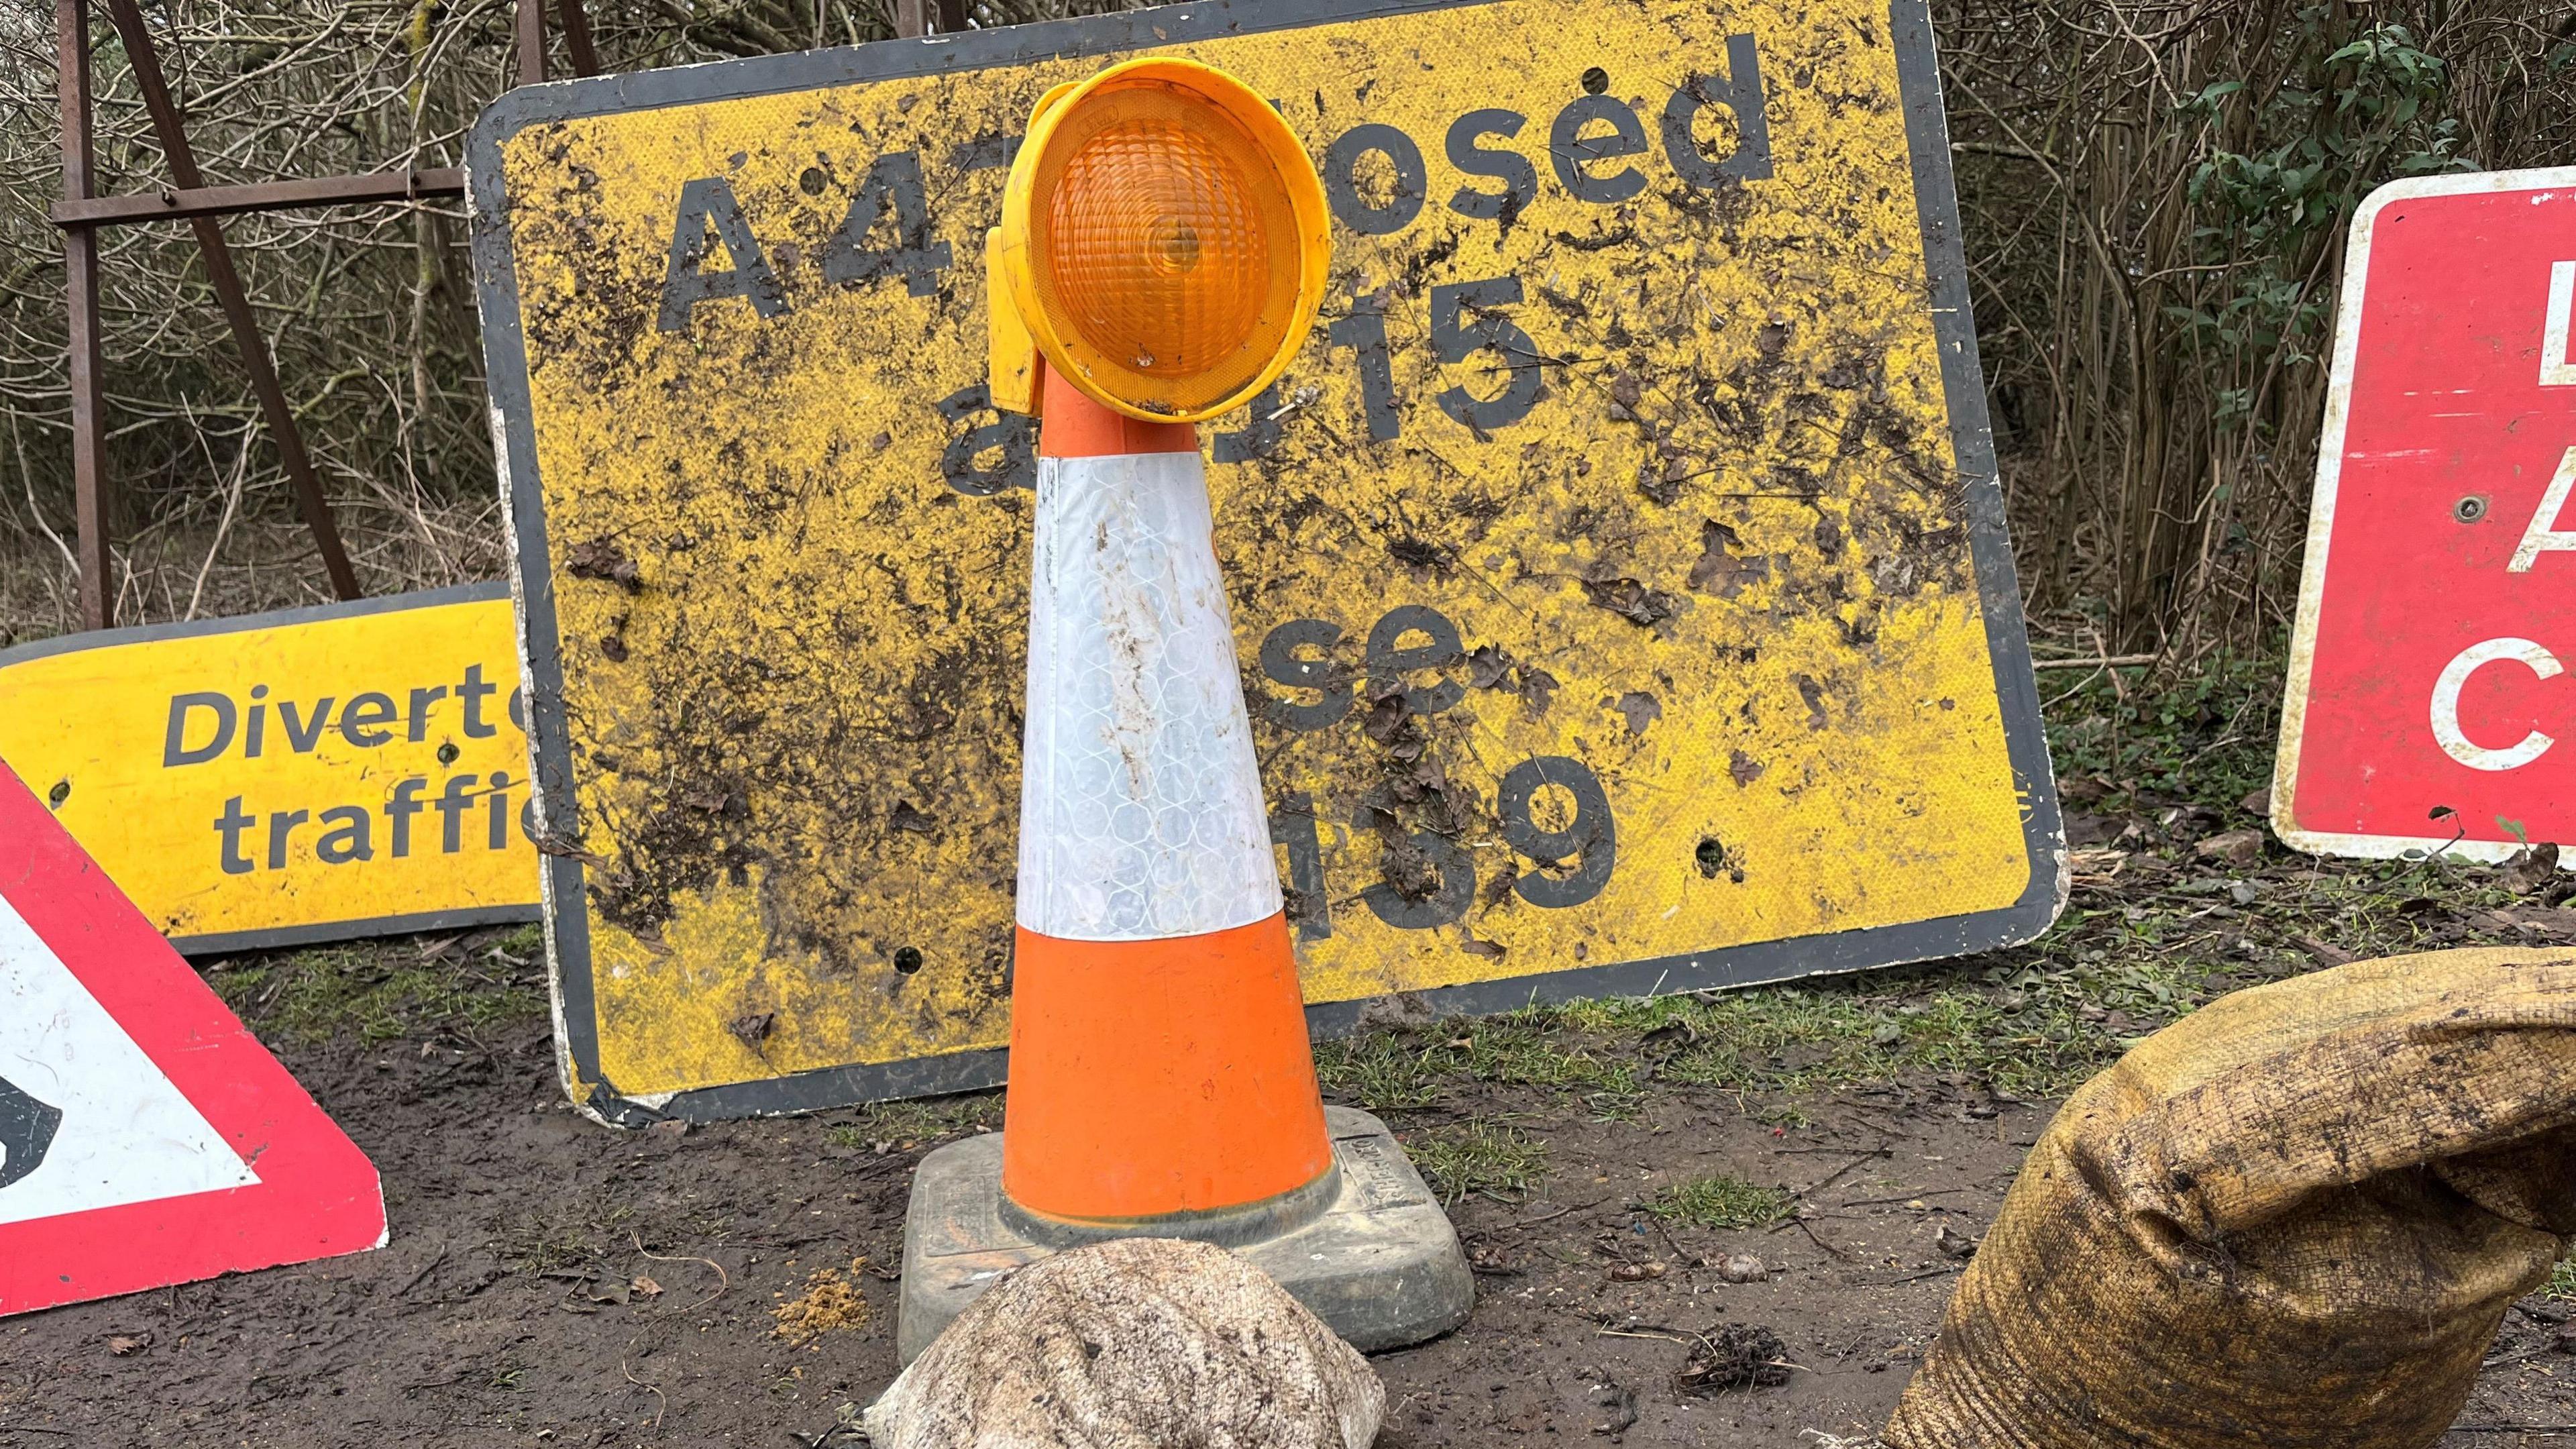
x,y
830,1303
1736,1356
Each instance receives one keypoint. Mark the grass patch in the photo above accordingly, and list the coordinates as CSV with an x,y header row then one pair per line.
x,y
1478,1156
904,1125
2171,934
2027,1032
1719,1200
554,1240
379,990
1396,1071
1384,1071
2562,1280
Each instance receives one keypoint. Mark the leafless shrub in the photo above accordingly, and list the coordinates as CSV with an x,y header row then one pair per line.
x,y
2156,197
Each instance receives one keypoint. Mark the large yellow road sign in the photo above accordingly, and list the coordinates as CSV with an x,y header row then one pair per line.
x,y
1619,573
305,775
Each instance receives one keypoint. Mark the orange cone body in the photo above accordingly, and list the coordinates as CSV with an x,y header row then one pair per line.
x,y
1159,1061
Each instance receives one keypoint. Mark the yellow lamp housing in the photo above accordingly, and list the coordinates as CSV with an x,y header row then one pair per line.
x,y
1163,245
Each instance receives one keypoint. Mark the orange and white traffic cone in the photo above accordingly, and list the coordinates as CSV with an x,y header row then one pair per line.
x,y
1160,1071
1162,249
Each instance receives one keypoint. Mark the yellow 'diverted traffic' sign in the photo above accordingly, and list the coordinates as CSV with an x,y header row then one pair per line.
x,y
1618,572
305,775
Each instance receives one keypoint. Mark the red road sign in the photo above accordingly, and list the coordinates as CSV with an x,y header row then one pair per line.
x,y
2426,708
145,1137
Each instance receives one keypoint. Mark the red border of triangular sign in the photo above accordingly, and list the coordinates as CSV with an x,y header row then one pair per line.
x,y
317,1195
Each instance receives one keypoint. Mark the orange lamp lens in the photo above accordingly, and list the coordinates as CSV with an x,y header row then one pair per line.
x,y
1156,253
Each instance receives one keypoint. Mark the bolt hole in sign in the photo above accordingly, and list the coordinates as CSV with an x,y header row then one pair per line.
x,y
145,1137
2428,707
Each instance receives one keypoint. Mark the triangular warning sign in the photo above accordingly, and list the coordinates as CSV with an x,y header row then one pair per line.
x,y
145,1137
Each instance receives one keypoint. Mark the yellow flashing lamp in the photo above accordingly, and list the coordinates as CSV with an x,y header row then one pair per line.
x,y
1163,245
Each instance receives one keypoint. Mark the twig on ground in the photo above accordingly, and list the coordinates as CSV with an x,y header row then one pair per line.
x,y
1838,1173
650,1388
425,1269
724,1280
1560,1212
1909,1197
1802,1226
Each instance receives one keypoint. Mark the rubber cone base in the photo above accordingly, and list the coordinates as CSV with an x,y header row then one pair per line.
x,y
1381,1266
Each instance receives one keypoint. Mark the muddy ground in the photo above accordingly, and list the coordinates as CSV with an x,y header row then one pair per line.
x,y
554,1282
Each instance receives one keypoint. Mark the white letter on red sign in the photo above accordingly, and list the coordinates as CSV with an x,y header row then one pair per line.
x,y
2446,704
2542,534
2554,370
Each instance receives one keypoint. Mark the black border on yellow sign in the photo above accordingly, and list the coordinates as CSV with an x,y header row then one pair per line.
x,y
504,345
223,942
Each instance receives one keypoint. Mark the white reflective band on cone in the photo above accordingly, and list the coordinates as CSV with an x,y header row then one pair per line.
x,y
1140,797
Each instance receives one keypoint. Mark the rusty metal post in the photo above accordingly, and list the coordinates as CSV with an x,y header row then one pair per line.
x,y
282,429
530,30
576,29
92,490
923,17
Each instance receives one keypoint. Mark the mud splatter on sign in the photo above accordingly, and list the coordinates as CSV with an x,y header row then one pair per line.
x,y
1643,441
